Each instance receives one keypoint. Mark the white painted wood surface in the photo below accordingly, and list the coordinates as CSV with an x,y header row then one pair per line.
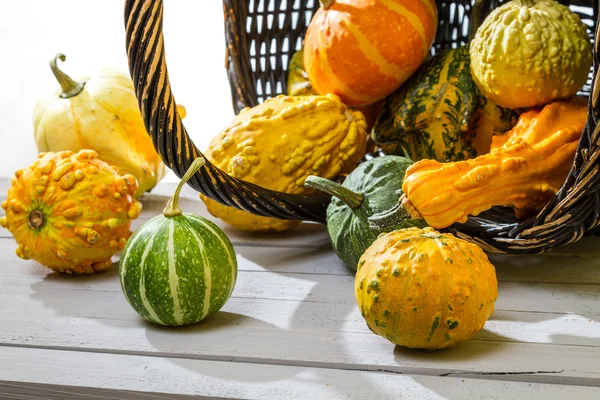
x,y
254,381
292,327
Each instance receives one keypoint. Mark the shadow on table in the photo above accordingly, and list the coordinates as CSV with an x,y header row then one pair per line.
x,y
81,301
469,350
163,339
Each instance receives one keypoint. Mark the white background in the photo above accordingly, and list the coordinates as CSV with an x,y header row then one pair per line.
x,y
91,34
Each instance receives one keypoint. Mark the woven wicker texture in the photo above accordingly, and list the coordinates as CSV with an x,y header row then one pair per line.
x,y
261,36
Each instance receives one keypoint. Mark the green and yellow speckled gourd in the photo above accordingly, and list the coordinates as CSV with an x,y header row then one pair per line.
x,y
530,52
439,113
277,144
422,289
70,212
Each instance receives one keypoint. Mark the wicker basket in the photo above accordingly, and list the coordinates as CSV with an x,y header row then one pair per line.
x,y
261,36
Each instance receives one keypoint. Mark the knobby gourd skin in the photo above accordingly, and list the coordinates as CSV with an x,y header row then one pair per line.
x,y
102,114
422,289
363,50
178,268
530,52
525,169
365,206
70,212
277,144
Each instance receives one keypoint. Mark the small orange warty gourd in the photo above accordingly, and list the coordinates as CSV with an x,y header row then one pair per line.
x,y
70,212
525,169
422,289
363,50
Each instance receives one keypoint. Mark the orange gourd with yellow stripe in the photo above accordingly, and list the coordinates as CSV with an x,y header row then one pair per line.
x,y
363,50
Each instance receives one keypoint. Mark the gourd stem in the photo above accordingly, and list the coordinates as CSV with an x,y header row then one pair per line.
x,y
326,3
69,86
172,209
350,198
476,19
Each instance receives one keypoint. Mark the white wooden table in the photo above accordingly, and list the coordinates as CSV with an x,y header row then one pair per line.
x,y
292,331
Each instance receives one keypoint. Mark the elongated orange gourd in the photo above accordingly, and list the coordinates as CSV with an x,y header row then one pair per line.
x,y
363,50
70,212
525,169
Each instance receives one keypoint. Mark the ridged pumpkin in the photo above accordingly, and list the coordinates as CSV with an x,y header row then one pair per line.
x,y
525,169
70,212
277,144
363,50
100,113
178,268
422,289
530,52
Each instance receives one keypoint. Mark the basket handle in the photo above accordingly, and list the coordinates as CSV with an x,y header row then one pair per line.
x,y
148,69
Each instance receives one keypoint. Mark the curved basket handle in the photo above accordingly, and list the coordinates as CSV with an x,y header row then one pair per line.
x,y
148,69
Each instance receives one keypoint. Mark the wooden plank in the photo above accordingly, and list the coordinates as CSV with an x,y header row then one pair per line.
x,y
218,338
34,391
323,261
308,327
334,289
108,375
509,326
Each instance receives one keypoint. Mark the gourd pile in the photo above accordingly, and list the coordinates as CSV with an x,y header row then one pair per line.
x,y
493,122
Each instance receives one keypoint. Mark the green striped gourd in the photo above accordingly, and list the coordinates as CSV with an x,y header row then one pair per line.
x,y
177,268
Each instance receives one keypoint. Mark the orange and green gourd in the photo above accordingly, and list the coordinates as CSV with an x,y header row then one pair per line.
x,y
277,144
70,212
525,169
422,289
363,50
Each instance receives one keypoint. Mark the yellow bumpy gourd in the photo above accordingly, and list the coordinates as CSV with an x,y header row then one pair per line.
x,y
277,144
70,212
530,52
422,289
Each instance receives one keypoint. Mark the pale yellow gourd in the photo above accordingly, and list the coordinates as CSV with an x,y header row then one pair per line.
x,y
277,144
100,113
530,52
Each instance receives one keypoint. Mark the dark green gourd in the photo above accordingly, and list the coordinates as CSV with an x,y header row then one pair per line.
x,y
366,205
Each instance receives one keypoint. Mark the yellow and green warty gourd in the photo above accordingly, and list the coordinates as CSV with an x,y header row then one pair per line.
x,y
422,289
102,114
70,212
530,52
277,144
